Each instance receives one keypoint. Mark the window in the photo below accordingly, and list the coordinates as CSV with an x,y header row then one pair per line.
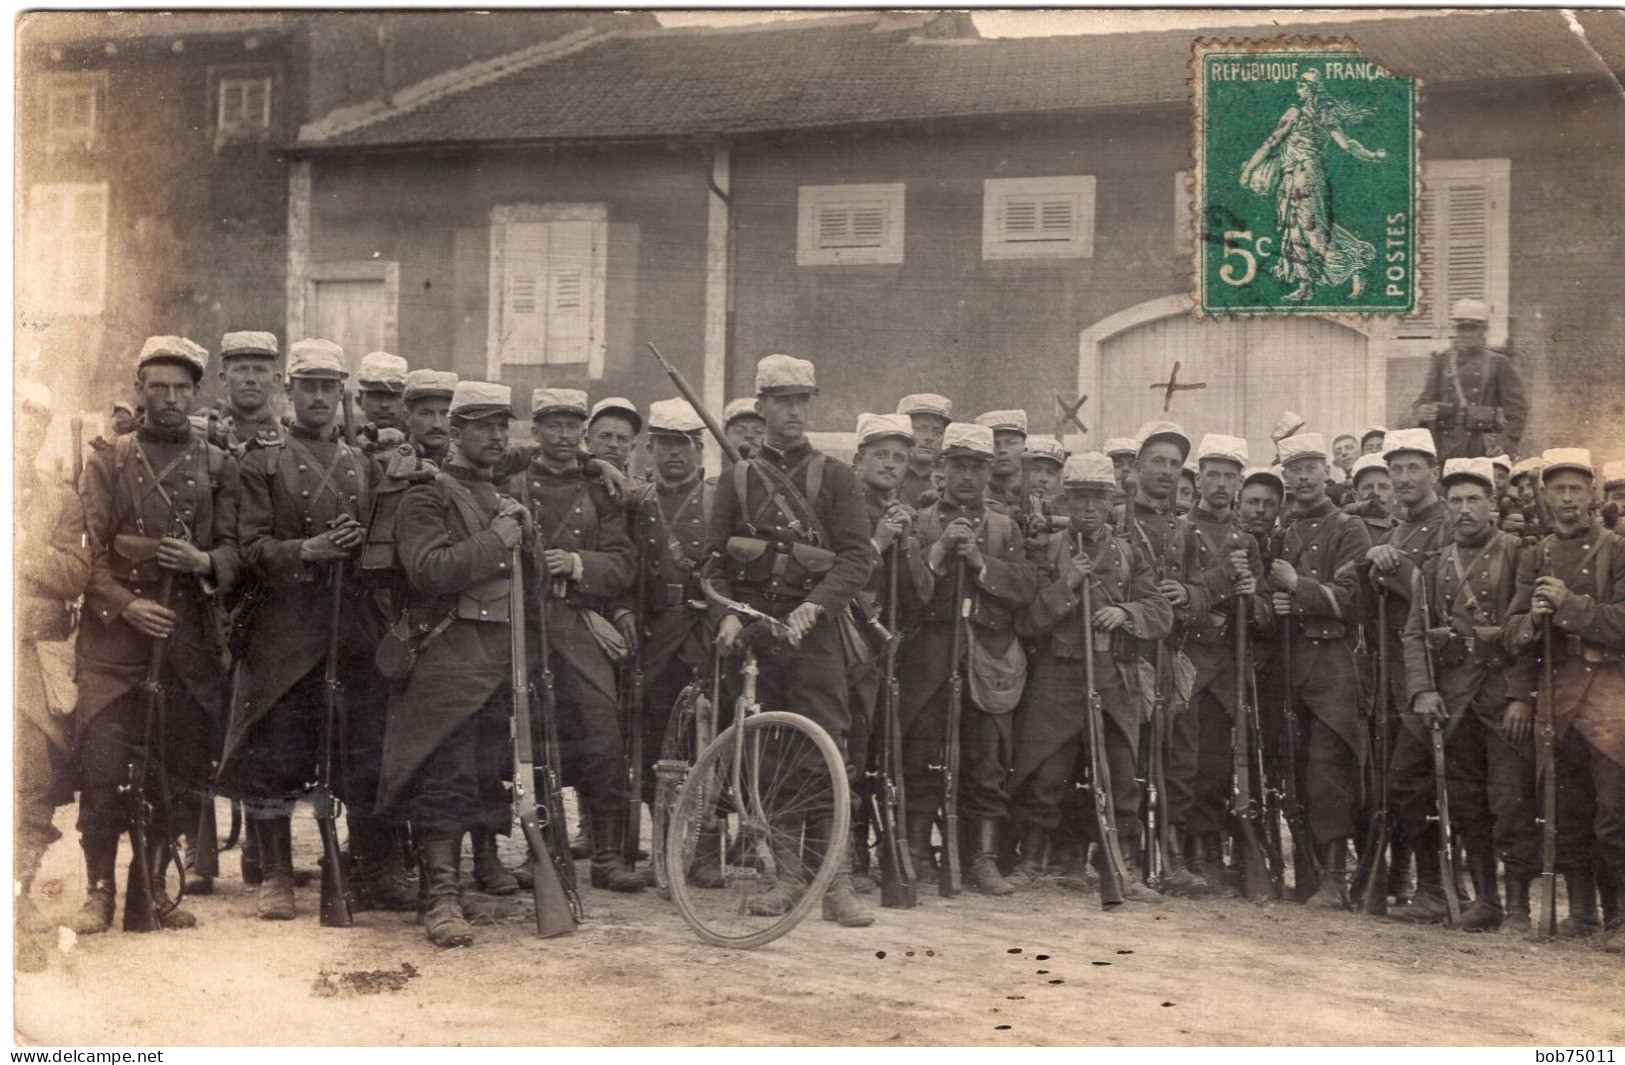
x,y
73,112
67,244
1462,246
244,105
841,224
547,286
1038,218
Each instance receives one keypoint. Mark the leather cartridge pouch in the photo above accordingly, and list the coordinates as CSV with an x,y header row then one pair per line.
x,y
135,559
1478,419
996,681
404,641
606,636
1447,646
486,601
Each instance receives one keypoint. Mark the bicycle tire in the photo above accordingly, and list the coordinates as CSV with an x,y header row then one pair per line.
x,y
677,751
792,798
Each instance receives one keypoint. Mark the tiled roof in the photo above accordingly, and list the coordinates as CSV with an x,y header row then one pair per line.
x,y
856,70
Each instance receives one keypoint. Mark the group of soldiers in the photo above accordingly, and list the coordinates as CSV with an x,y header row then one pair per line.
x,y
242,575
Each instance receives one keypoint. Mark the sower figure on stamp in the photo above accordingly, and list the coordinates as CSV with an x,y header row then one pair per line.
x,y
1456,666
789,535
161,521
1574,580
1473,400
1390,568
885,442
53,566
668,519
380,393
1222,562
581,538
928,416
249,380
299,528
973,550
1313,580
446,746
1049,723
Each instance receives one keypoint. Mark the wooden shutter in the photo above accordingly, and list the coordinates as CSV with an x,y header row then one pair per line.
x,y
551,286
851,225
1456,248
524,288
573,249
1039,218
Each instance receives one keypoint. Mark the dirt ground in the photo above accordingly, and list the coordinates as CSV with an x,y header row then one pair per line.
x,y
1045,967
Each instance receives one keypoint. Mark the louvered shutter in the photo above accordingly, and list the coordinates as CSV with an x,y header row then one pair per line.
x,y
1454,250
851,225
572,248
524,289
1039,218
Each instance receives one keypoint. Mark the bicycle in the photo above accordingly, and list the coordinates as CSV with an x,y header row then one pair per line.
x,y
766,801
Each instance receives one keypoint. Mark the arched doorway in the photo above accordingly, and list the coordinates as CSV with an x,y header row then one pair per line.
x,y
1253,368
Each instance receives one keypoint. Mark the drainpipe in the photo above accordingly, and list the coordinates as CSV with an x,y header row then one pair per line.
x,y
718,296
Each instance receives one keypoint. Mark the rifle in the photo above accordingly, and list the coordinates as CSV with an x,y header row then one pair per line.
x,y
949,883
1546,752
1441,790
142,910
558,909
1305,859
632,685
1250,841
898,888
1114,871
1371,878
698,404
335,899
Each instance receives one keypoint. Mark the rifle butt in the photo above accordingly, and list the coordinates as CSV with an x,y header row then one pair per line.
x,y
950,882
554,915
1546,908
140,904
1373,898
898,891
208,840
335,900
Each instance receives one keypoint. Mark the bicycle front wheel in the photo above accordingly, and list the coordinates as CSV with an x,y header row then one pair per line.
x,y
765,818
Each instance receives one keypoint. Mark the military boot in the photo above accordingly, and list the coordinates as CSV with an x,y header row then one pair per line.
x,y
1582,917
1608,891
1029,870
705,871
582,846
1517,906
790,874
253,873
1427,905
276,863
841,902
1333,892
1179,879
1399,885
918,830
490,875
1134,888
984,866
1613,925
1206,859
101,855
443,922
196,882
1484,913
863,881
382,879
608,864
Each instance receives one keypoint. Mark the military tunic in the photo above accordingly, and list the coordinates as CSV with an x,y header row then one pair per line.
x,y
1487,379
1588,695
146,486
1492,783
1324,545
1050,721
292,491
915,484
574,512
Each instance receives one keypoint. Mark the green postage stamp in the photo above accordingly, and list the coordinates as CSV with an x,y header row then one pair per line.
x,y
1306,174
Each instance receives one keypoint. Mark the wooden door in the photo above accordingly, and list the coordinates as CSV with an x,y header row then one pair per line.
x,y
350,313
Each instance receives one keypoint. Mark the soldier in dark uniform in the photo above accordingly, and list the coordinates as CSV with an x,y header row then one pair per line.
x,y
1613,493
380,393
1221,562
928,415
1373,496
446,747
1390,567
963,538
298,525
612,431
249,379
121,420
1045,458
743,426
1371,442
1575,578
1313,581
1473,400
668,523
581,530
805,511
1049,723
1456,670
1006,490
53,565
161,501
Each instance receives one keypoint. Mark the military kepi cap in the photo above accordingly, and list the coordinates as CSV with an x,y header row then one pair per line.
x,y
1169,431
785,375
873,427
1121,445
1470,310
1525,468
1365,464
473,400
382,372
248,343
674,417
557,400
927,403
1565,458
1254,474
1046,449
1417,440
967,439
422,384
316,358
179,350
618,405
739,408
1302,446
1613,473
1219,447
1091,469
1004,421
1286,425
1372,430
1480,470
